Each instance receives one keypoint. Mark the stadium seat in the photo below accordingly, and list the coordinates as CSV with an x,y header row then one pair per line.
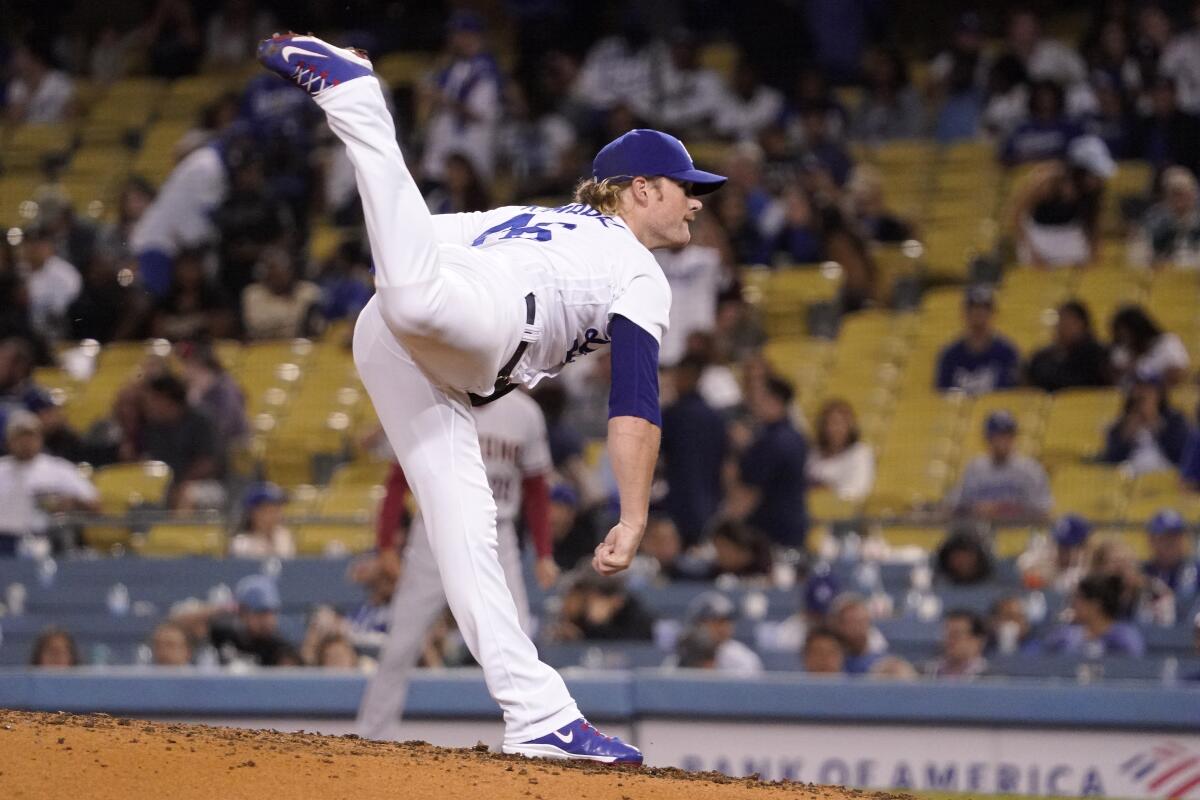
x,y
1152,492
360,474
126,486
1095,491
173,540
331,539
1076,424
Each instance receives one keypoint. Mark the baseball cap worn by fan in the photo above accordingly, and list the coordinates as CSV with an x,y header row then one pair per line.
x,y
1071,530
1000,422
265,492
651,154
1166,521
711,606
257,593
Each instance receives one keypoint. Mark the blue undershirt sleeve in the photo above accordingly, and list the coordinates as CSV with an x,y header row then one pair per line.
x,y
634,391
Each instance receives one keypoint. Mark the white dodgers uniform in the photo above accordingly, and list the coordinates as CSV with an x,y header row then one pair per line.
x,y
451,308
512,439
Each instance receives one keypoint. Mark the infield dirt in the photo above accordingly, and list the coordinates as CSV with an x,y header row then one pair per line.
x,y
98,757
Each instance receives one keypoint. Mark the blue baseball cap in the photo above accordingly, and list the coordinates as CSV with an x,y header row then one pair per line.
x,y
1166,521
651,154
257,593
564,494
819,592
265,492
1071,530
1000,422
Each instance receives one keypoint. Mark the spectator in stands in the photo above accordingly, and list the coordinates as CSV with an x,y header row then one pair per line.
x,y
1002,484
181,437
716,615
693,452
251,635
1075,358
660,551
233,32
53,282
739,551
747,106
214,393
263,533
982,360
173,38
1169,232
537,142
596,608
135,196
109,307
1181,62
956,80
250,218
194,307
817,595
463,100
37,93
894,668
461,189
34,484
824,653
1057,561
1006,102
694,649
1011,630
368,625
1171,559
890,107
1112,121
850,618
963,637
800,238
1047,132
17,388
822,151
170,647
573,529
870,210
1043,57
1167,134
336,652
345,281
688,95
1095,631
1150,434
1140,347
277,306
1055,214
54,648
964,559
697,274
772,485
840,462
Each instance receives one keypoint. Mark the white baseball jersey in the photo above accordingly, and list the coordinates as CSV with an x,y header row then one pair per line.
x,y
514,445
694,275
582,266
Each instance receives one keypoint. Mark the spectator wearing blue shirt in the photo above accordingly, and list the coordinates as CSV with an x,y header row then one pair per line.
x,y
1002,484
1047,132
693,449
1170,560
1095,632
850,618
982,360
772,468
1150,435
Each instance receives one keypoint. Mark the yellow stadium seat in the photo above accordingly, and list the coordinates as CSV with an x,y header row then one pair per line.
x,y
360,474
824,505
126,486
721,57
106,538
1095,491
1076,423
1155,491
925,537
302,501
404,69
174,540
29,145
349,500
329,539
1010,542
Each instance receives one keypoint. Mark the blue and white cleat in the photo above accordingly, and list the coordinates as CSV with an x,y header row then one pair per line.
x,y
312,64
578,740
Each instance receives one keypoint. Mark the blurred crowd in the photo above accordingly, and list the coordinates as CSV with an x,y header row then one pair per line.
x,y
510,109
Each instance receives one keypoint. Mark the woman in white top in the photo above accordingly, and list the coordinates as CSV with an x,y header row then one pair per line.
x,y
840,462
264,535
1140,346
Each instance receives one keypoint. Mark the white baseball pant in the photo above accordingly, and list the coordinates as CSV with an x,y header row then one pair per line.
x,y
443,320
416,604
